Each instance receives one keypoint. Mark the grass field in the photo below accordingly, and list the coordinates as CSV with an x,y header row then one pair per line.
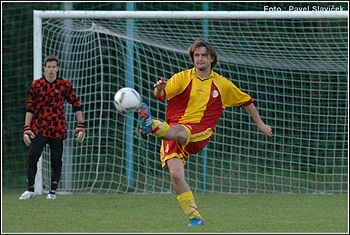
x,y
154,213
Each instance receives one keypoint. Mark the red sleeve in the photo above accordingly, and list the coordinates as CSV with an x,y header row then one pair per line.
x,y
163,97
31,100
248,102
72,98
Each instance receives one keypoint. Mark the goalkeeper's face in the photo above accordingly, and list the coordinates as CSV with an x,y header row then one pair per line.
x,y
202,59
51,69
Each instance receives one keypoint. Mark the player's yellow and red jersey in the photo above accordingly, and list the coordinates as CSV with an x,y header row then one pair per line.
x,y
202,100
46,102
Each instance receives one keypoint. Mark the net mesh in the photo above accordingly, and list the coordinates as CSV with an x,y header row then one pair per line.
x,y
295,69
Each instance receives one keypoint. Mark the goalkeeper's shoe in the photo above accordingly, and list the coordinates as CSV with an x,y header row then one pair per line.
x,y
196,222
26,195
51,196
146,116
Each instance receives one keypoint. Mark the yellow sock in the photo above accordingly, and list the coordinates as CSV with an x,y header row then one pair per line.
x,y
159,128
187,203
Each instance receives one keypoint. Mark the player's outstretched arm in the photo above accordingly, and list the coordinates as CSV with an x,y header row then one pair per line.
x,y
251,110
159,88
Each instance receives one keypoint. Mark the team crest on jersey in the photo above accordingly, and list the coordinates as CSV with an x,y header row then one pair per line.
x,y
215,93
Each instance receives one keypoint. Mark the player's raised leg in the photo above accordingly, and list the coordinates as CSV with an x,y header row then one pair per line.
x,y
146,116
150,125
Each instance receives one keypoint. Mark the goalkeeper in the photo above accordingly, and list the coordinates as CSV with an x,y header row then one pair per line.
x,y
45,123
196,99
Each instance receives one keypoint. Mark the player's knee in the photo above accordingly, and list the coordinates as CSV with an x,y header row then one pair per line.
x,y
181,138
180,134
33,159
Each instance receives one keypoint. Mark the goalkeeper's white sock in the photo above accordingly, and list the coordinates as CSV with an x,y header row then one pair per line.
x,y
159,128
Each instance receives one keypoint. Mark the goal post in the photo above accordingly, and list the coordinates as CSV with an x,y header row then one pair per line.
x,y
191,14
294,65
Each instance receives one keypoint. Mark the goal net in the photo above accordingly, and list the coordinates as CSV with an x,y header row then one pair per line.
x,y
294,65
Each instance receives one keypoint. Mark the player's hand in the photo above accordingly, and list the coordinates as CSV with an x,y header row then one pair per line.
x,y
266,129
160,84
28,135
79,132
159,88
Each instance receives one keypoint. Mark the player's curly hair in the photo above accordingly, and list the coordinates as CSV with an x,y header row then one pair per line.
x,y
200,42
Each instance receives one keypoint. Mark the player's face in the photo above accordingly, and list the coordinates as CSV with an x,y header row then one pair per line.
x,y
202,59
51,70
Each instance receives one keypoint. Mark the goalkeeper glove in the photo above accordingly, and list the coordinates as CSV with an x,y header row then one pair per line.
x,y
28,135
79,132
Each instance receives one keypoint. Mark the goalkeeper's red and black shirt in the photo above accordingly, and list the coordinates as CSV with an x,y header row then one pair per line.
x,y
46,102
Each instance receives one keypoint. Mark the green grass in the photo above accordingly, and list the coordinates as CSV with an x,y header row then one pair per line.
x,y
154,213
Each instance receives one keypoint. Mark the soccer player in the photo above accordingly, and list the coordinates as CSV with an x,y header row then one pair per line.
x,y
45,123
196,99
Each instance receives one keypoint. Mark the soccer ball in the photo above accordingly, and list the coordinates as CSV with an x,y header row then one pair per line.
x,y
127,100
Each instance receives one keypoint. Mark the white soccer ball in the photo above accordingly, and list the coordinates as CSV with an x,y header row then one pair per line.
x,y
127,100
